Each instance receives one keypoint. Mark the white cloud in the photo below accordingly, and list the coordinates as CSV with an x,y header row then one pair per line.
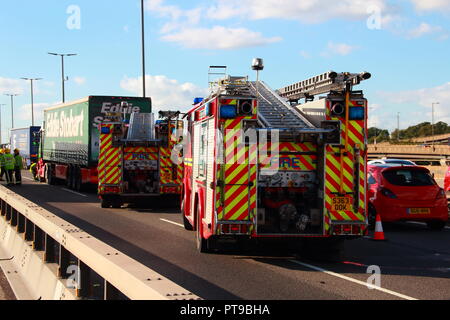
x,y
305,54
342,49
219,37
183,28
310,11
431,5
79,80
424,29
166,93
12,86
425,97
24,112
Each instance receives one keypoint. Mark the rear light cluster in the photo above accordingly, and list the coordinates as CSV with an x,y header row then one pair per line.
x,y
112,190
170,190
347,229
234,229
441,194
388,193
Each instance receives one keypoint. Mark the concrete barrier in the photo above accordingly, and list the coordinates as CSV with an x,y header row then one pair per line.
x,y
45,257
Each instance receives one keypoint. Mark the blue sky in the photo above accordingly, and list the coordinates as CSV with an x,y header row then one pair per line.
x,y
404,44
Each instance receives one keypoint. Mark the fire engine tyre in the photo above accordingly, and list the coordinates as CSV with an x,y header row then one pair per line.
x,y
202,244
372,217
436,225
106,203
327,250
187,224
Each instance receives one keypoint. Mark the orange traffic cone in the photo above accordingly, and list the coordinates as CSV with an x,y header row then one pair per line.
x,y
379,234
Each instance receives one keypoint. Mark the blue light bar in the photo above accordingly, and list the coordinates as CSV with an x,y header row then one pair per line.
x,y
105,130
198,100
228,112
356,113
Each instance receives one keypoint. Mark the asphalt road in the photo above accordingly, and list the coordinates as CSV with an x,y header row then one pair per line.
x,y
414,262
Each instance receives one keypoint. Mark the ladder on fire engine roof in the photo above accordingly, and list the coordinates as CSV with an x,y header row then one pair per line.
x,y
141,127
323,83
274,111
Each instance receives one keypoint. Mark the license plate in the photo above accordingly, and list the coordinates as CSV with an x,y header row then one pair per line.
x,y
419,211
341,204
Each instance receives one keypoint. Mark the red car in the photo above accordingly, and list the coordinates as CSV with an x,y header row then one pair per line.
x,y
406,193
447,181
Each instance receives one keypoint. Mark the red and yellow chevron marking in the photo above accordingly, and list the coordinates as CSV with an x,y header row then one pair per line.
x,y
340,173
303,162
240,168
109,163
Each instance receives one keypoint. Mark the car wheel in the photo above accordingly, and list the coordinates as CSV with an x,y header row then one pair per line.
x,y
436,225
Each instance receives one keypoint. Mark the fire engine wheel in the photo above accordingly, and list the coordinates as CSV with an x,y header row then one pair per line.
x,y
106,203
202,244
187,224
372,217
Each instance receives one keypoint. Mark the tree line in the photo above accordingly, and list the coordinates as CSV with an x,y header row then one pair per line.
x,y
423,129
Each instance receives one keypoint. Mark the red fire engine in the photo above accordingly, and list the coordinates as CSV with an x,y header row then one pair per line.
x,y
135,160
259,165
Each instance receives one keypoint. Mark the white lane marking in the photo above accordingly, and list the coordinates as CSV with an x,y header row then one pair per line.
x,y
28,179
74,192
423,224
177,224
353,280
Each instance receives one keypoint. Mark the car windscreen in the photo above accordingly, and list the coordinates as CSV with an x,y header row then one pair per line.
x,y
408,163
405,177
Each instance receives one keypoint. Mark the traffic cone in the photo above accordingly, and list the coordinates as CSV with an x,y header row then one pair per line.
x,y
379,233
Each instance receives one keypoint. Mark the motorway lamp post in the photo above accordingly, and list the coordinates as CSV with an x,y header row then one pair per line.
x,y
62,55
1,105
143,47
432,118
32,98
12,107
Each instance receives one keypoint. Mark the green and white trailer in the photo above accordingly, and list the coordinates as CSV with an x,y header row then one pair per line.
x,y
69,146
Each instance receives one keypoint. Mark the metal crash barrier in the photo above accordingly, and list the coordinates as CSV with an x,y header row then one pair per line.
x,y
50,258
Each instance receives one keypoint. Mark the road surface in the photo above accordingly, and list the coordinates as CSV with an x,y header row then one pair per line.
x,y
414,263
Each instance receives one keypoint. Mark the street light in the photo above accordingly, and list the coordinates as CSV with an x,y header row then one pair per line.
x,y
12,107
32,99
62,55
143,47
1,105
432,118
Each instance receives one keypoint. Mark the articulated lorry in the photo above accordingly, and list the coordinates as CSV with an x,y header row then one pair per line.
x,y
27,141
69,148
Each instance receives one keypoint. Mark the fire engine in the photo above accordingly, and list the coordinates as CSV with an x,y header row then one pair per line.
x,y
135,160
260,165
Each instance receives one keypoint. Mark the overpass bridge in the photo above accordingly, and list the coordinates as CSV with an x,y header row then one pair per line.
x,y
410,152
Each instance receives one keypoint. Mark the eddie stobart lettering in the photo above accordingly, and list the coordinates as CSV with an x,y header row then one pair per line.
x,y
109,107
64,124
